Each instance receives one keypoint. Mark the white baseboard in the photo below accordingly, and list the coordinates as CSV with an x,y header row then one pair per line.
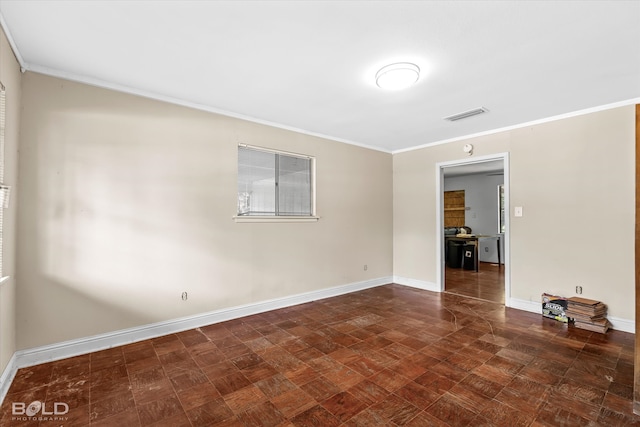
x,y
7,377
520,304
415,283
623,325
62,350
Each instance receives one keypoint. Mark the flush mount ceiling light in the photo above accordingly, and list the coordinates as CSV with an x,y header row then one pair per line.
x,y
397,76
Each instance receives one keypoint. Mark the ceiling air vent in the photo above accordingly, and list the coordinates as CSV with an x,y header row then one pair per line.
x,y
465,114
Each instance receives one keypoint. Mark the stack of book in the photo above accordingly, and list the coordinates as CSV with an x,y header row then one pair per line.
x,y
588,314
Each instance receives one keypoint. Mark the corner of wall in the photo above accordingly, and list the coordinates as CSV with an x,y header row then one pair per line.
x,y
11,78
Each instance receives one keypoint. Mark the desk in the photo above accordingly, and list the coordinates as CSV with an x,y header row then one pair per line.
x,y
475,239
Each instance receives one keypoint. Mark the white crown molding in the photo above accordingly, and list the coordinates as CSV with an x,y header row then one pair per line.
x,y
158,97
197,106
12,43
522,125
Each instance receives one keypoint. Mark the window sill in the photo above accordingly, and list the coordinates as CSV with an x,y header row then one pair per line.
x,y
281,219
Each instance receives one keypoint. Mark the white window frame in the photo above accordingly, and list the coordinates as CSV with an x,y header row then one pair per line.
x,y
3,189
283,218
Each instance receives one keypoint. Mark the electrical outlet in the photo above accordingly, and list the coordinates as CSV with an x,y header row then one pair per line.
x,y
366,267
486,248
579,290
184,296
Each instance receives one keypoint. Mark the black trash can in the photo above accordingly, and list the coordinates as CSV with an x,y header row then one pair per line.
x,y
454,254
469,256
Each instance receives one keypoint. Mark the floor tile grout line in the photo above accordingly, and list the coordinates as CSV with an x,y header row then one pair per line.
x,y
580,357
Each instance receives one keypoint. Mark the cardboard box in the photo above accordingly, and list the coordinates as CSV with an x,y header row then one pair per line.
x,y
554,307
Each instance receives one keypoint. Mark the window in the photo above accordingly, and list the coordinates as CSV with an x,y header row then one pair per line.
x,y
3,189
454,209
275,184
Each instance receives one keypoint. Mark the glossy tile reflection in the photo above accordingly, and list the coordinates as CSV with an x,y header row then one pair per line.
x,y
388,356
487,283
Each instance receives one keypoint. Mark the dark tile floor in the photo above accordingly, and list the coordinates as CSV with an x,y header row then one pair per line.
x,y
487,283
388,356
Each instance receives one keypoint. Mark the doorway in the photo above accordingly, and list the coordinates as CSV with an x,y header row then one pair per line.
x,y
476,265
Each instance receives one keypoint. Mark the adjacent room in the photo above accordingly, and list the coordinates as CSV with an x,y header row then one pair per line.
x,y
270,213
474,224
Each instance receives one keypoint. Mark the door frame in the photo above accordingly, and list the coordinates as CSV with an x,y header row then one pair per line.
x,y
440,261
636,369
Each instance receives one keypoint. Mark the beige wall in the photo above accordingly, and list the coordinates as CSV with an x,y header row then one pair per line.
x,y
10,78
574,179
126,202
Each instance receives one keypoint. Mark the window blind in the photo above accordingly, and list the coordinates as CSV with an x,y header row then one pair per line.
x,y
2,128
272,183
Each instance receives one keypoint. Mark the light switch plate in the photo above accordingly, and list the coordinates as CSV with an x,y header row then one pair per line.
x,y
517,211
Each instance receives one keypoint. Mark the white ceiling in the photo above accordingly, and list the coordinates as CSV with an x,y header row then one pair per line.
x,y
310,65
